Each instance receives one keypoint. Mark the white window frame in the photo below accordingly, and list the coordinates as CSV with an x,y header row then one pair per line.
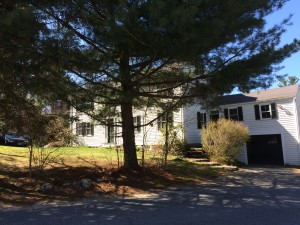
x,y
79,129
261,112
84,129
162,120
88,129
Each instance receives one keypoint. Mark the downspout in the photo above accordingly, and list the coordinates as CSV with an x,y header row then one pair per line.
x,y
297,122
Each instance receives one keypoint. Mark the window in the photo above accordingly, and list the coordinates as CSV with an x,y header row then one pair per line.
x,y
214,115
265,111
84,129
89,129
201,120
111,135
162,120
137,123
79,129
234,114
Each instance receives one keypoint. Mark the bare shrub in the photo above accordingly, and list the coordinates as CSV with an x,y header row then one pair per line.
x,y
222,140
172,141
43,157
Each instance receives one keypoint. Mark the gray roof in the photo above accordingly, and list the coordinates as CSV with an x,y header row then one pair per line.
x,y
259,96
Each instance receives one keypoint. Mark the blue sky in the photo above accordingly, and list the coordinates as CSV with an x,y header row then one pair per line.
x,y
292,64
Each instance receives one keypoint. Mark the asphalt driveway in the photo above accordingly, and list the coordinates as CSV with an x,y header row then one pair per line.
x,y
250,196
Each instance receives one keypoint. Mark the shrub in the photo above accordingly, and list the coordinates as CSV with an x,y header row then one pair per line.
x,y
176,143
222,140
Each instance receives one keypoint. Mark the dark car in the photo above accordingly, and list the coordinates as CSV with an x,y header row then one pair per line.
x,y
13,140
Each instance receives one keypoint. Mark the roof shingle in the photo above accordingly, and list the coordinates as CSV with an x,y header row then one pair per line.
x,y
259,96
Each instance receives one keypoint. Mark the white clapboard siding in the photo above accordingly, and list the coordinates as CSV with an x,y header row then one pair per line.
x,y
96,140
149,135
297,112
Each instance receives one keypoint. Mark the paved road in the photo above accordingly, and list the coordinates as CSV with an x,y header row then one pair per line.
x,y
257,196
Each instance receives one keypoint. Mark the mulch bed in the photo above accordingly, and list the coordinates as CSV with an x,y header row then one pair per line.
x,y
16,188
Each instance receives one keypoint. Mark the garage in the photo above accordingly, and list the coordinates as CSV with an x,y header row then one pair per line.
x,y
265,150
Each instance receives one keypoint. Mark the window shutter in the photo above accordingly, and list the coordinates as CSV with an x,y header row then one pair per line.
x,y
199,125
159,121
226,113
274,111
256,109
83,129
77,129
201,120
92,129
138,123
240,113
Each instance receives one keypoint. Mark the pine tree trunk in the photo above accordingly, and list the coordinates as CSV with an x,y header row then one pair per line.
x,y
130,157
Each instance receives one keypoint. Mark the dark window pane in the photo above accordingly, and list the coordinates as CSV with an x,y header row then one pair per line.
x,y
233,114
265,115
214,115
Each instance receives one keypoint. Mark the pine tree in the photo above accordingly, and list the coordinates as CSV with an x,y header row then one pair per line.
x,y
131,53
291,80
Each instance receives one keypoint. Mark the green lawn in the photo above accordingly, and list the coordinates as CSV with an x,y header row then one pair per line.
x,y
75,156
18,158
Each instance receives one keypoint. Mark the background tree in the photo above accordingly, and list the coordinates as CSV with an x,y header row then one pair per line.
x,y
20,88
26,84
291,80
126,54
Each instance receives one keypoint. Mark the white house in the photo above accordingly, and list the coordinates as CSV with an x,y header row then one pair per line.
x,y
272,117
91,134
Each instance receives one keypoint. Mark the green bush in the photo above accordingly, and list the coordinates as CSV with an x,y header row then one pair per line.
x,y
222,140
177,145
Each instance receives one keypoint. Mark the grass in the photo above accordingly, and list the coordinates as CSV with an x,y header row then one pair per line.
x,y
75,156
76,163
192,172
